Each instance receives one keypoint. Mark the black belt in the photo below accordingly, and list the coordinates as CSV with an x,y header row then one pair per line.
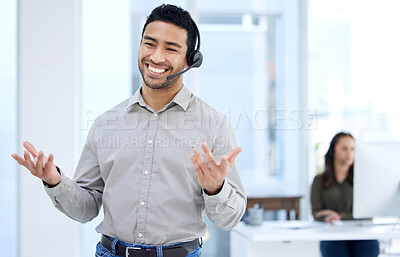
x,y
180,250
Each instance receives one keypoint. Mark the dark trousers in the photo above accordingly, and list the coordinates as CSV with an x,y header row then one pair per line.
x,y
354,248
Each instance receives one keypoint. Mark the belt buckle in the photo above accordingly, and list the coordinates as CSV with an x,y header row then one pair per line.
x,y
132,251
131,248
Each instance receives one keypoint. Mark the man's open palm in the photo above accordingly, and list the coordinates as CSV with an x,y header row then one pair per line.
x,y
210,174
41,166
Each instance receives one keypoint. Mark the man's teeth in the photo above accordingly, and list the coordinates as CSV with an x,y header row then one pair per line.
x,y
156,70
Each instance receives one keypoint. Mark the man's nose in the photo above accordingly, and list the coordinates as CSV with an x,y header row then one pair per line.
x,y
157,56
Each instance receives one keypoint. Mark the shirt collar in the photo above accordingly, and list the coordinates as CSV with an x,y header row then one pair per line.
x,y
182,98
136,99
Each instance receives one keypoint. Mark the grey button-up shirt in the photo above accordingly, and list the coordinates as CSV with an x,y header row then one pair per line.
x,y
136,163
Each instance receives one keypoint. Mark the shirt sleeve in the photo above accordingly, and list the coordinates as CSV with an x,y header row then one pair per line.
x,y
80,199
226,208
316,198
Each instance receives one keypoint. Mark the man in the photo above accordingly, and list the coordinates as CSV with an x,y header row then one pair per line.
x,y
142,161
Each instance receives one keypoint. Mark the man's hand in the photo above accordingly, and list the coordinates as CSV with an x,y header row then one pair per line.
x,y
211,176
330,215
41,166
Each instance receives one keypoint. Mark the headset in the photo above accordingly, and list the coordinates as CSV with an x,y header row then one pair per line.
x,y
194,59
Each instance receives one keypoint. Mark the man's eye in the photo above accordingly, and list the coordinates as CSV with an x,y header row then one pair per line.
x,y
148,44
171,49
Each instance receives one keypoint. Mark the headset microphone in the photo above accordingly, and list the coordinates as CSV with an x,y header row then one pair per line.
x,y
180,73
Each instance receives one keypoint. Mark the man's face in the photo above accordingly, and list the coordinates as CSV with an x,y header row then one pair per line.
x,y
162,53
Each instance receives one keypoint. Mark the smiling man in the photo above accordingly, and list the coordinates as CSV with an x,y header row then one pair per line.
x,y
162,51
142,160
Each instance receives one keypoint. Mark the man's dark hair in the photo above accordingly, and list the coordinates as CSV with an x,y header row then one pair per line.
x,y
179,17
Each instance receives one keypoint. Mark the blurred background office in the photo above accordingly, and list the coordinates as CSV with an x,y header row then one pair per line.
x,y
288,73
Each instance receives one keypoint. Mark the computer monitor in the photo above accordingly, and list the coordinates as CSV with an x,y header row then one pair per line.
x,y
376,191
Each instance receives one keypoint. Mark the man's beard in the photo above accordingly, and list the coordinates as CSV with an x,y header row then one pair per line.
x,y
164,85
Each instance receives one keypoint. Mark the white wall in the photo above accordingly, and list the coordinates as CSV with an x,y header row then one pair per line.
x,y
8,174
49,100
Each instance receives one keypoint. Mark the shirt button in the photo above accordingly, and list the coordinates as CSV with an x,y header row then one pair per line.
x,y
142,203
146,172
140,235
155,114
150,141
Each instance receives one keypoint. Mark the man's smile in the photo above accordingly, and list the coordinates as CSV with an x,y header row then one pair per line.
x,y
155,71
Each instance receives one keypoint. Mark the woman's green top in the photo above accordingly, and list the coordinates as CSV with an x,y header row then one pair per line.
x,y
338,198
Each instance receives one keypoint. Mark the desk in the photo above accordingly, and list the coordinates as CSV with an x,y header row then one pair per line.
x,y
299,238
281,202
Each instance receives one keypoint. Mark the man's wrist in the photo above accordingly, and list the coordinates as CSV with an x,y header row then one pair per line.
x,y
50,185
214,192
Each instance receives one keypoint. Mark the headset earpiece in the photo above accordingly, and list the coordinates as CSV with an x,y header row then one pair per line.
x,y
195,59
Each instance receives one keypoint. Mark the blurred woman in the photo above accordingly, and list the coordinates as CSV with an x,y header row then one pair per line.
x,y
332,198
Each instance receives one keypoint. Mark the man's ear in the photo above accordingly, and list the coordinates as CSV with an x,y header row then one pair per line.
x,y
186,64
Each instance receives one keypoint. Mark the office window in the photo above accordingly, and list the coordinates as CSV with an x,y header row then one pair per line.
x,y
8,129
235,80
353,82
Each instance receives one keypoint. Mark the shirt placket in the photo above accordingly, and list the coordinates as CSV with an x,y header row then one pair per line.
x,y
146,178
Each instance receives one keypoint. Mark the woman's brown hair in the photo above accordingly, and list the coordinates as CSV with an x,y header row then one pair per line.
x,y
328,176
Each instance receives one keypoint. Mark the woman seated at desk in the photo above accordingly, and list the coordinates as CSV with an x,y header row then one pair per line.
x,y
332,198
